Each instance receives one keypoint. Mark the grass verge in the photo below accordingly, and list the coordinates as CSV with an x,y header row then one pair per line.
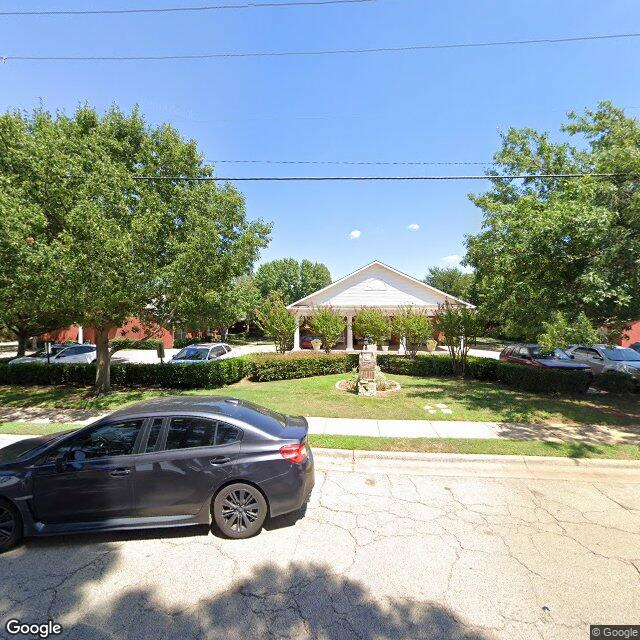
x,y
479,446
418,445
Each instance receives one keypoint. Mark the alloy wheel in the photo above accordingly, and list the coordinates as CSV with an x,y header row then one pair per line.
x,y
7,524
240,509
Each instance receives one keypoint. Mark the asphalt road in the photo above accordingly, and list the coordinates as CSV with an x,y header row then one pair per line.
x,y
376,556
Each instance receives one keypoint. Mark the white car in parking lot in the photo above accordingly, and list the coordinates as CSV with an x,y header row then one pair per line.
x,y
195,353
60,354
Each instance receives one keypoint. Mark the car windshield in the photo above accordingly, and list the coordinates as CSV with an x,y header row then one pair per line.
x,y
192,353
541,354
622,354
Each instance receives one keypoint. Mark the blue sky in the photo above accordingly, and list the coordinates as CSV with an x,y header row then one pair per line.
x,y
446,105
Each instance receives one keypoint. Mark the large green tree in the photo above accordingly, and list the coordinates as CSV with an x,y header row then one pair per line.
x,y
451,280
562,244
291,279
124,244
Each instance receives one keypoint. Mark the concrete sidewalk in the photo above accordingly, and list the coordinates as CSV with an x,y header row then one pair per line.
x,y
590,434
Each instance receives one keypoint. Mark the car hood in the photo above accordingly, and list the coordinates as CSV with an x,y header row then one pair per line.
x,y
23,359
11,453
554,363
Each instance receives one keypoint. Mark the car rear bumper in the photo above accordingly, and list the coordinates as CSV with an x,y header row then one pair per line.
x,y
291,491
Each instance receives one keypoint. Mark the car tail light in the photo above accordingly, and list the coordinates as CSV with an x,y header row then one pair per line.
x,y
296,453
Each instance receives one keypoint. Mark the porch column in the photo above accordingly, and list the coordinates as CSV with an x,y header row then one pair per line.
x,y
296,336
349,333
80,334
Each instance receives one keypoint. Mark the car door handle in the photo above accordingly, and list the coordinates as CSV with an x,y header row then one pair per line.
x,y
219,460
117,473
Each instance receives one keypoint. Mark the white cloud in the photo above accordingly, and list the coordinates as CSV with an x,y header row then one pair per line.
x,y
355,234
453,259
414,227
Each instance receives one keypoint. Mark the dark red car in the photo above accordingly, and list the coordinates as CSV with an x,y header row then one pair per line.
x,y
535,356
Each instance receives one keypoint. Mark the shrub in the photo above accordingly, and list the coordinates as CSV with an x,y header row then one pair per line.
x,y
197,376
130,343
543,380
373,324
615,382
271,366
277,322
328,325
535,379
180,343
414,326
460,327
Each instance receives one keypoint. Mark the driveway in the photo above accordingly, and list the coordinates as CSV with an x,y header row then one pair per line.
x,y
378,555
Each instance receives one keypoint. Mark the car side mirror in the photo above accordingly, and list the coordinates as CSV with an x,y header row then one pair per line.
x,y
572,357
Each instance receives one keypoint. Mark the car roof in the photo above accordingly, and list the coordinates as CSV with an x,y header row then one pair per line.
x,y
248,412
206,344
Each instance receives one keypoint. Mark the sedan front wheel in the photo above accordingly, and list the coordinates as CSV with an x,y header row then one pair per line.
x,y
10,526
239,510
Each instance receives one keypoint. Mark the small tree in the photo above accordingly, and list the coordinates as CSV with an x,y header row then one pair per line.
x,y
414,326
372,323
276,321
560,331
328,325
459,327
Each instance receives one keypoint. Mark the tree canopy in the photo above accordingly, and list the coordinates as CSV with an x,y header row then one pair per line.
x,y
291,279
561,244
451,280
112,246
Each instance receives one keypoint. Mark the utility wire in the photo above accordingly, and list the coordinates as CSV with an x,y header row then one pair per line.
x,y
322,52
524,176
211,7
352,162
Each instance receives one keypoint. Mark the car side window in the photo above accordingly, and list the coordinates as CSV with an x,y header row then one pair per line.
x,y
186,433
226,434
523,352
219,351
112,439
581,351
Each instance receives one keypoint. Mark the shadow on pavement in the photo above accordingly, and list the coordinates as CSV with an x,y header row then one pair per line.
x,y
87,589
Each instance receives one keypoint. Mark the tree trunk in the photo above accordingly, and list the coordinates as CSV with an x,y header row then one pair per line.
x,y
103,361
23,339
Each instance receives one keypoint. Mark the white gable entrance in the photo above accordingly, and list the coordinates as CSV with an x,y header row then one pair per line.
x,y
375,285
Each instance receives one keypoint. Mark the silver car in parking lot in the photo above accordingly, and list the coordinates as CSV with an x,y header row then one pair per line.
x,y
203,352
603,358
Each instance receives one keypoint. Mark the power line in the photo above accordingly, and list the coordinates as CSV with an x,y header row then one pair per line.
x,y
322,52
211,7
354,162
523,176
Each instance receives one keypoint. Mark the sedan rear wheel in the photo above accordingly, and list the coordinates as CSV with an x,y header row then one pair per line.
x,y
239,510
10,526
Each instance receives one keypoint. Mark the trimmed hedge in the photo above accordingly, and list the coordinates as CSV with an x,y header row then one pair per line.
x,y
196,376
271,366
616,382
265,367
517,376
131,343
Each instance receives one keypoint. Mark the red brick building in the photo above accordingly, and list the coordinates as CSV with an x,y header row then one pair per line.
x,y
133,329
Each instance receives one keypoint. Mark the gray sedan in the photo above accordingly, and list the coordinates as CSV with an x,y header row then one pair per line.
x,y
195,353
603,358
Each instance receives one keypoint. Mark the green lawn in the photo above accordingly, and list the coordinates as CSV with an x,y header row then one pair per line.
x,y
467,399
480,446
423,445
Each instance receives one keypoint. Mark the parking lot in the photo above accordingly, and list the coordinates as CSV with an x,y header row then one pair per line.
x,y
376,555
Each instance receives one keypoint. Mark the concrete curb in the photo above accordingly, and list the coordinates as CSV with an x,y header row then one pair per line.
x,y
477,465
